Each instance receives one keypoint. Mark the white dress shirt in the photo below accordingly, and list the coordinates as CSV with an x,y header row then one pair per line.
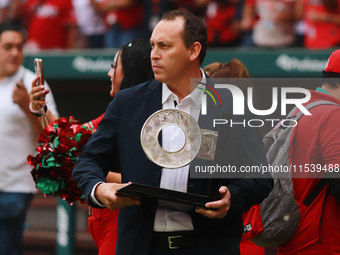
x,y
173,216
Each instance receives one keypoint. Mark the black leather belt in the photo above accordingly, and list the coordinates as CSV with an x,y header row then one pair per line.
x,y
175,240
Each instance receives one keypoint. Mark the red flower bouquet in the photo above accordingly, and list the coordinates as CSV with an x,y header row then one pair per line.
x,y
60,145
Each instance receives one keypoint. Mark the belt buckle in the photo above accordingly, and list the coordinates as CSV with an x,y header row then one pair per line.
x,y
170,241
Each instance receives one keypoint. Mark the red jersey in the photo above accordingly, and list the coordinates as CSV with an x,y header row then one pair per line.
x,y
219,21
316,142
320,34
47,22
128,17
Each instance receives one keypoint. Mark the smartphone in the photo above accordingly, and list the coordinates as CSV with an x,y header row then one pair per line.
x,y
38,66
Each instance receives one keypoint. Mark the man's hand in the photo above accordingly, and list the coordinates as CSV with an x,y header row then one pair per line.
x,y
20,96
105,193
220,207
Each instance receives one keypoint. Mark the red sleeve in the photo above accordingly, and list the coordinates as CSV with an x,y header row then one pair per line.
x,y
96,121
27,8
68,16
250,3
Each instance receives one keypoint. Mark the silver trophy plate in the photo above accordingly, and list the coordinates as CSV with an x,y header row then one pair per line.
x,y
153,150
208,144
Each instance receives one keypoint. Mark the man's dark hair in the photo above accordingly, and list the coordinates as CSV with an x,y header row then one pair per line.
x,y
136,63
331,78
11,27
194,30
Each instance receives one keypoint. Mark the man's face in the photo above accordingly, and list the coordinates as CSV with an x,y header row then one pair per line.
x,y
11,52
169,55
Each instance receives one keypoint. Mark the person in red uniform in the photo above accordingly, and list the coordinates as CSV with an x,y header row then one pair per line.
x,y
51,24
131,66
322,20
123,20
316,142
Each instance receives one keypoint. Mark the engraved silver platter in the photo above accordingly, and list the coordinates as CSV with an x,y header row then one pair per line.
x,y
153,150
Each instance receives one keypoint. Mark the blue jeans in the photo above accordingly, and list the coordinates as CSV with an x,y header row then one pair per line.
x,y
13,209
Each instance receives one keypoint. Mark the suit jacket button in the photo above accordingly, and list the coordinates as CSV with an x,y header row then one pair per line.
x,y
158,175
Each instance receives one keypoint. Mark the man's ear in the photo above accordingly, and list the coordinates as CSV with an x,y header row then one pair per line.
x,y
195,50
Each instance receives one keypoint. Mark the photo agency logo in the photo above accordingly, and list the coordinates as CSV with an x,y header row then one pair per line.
x,y
280,97
204,97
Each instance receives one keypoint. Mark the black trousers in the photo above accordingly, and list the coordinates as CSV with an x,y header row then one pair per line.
x,y
161,250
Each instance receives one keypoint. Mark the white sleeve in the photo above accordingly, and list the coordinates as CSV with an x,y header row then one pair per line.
x,y
92,197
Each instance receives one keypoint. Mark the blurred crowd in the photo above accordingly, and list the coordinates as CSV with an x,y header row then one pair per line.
x,y
69,24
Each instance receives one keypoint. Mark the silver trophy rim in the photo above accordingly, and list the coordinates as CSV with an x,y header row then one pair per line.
x,y
153,150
